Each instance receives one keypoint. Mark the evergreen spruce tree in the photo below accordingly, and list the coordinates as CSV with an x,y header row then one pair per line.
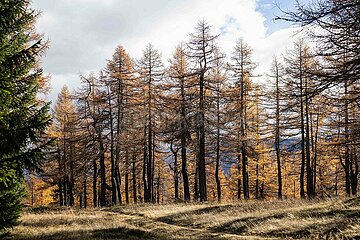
x,y
23,118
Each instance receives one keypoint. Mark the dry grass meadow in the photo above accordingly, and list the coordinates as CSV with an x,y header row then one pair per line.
x,y
329,219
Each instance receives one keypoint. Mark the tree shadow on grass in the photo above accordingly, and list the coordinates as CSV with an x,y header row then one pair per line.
x,y
331,230
241,225
341,219
118,233
108,234
351,202
177,218
344,213
59,221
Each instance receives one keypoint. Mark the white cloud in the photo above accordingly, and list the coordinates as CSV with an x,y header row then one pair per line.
x,y
84,33
59,80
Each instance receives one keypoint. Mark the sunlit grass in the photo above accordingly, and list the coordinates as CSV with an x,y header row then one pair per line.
x,y
332,218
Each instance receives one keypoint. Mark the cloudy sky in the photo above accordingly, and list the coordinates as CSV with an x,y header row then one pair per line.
x,y
84,33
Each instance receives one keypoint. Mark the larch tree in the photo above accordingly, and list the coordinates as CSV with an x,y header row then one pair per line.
x,y
217,115
299,63
119,82
92,105
258,144
276,74
180,85
201,52
150,70
65,120
241,68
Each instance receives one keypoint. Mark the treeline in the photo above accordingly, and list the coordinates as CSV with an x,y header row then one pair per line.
x,y
200,128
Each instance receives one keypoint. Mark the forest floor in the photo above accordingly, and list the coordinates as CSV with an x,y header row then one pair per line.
x,y
288,219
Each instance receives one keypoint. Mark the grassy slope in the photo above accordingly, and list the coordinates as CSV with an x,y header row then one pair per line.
x,y
331,219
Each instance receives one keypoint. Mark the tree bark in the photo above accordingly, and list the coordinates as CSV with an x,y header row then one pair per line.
x,y
176,173
134,178
184,145
126,177
309,174
277,133
202,166
347,149
243,136
102,172
145,166
217,178
302,129
112,159
95,183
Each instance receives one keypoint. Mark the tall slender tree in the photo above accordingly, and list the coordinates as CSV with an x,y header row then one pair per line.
x,y
119,80
65,121
92,101
151,71
201,49
242,67
179,72
276,69
298,68
218,86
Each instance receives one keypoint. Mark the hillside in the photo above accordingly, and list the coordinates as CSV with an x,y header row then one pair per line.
x,y
330,219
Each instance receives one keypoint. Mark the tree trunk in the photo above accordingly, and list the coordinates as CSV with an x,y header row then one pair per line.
x,y
239,172
183,145
81,201
347,149
262,189
153,169
145,166
60,186
202,166
120,90
112,159
184,171
85,188
309,174
302,127
60,181
158,186
277,134
314,138
102,173
94,183
244,172
66,182
196,176
243,137
257,195
149,164
354,172
217,178
126,177
134,178
102,199
150,169
176,174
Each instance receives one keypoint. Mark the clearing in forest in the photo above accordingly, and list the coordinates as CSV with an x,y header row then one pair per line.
x,y
329,219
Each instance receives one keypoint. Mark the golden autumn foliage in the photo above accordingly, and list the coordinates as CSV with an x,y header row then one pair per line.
x,y
39,193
